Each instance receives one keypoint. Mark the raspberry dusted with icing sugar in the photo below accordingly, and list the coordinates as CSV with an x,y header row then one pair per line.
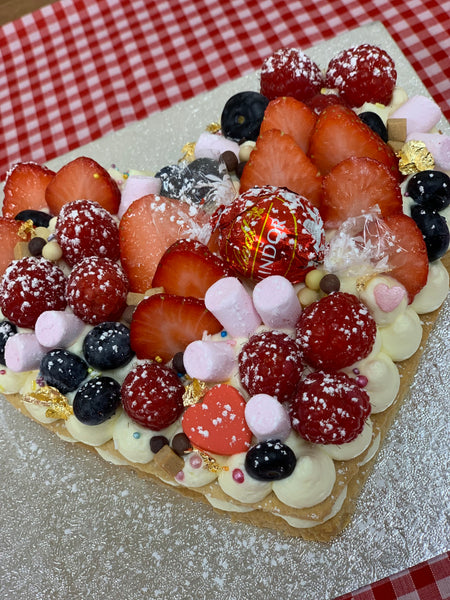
x,y
97,290
29,287
361,74
270,363
290,72
329,408
85,229
152,395
335,332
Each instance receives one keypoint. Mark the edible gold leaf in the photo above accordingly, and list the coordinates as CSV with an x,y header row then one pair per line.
x,y
414,157
58,407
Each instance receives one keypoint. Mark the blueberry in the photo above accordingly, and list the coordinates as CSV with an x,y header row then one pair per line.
x,y
375,122
97,400
107,346
39,218
242,116
430,189
434,229
63,370
7,329
270,460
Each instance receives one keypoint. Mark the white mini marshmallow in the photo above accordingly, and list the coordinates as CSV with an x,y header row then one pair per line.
x,y
231,304
421,114
266,418
212,145
209,361
276,302
438,144
23,352
57,328
137,186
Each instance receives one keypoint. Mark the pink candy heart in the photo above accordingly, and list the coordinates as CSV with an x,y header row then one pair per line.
x,y
388,298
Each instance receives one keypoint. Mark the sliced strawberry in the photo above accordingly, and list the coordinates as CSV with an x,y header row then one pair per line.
x,y
147,228
25,187
340,134
406,252
82,179
164,324
188,268
355,186
320,101
277,160
290,116
9,237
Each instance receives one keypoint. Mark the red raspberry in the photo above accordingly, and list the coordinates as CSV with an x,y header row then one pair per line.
x,y
361,74
152,395
335,332
85,229
97,290
270,363
329,408
289,72
29,287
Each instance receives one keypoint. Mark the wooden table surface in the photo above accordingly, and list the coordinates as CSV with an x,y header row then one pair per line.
x,y
14,9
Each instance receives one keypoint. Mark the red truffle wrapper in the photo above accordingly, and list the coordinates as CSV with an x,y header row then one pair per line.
x,y
270,231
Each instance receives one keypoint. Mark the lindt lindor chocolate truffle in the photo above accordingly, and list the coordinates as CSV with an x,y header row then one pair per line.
x,y
270,231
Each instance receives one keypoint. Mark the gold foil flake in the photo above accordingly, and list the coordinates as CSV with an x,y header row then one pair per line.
x,y
213,127
58,407
188,151
194,392
414,157
211,463
26,229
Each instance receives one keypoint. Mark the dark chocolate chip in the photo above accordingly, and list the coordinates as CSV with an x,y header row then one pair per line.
x,y
157,442
35,246
181,444
330,283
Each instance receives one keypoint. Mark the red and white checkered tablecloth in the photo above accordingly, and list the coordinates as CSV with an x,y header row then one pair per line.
x,y
78,69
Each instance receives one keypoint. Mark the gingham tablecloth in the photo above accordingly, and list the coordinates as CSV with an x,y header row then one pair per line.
x,y
78,69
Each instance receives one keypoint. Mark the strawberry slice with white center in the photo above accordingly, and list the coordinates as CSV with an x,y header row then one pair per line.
x,y
25,187
339,134
188,268
9,237
279,161
356,186
164,324
406,252
82,179
290,116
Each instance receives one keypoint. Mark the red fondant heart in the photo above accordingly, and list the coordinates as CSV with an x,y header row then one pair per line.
x,y
217,424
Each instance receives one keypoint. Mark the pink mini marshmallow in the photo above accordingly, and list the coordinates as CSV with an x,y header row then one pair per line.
x,y
23,352
439,146
231,304
57,328
276,302
137,186
266,418
212,145
209,361
421,114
